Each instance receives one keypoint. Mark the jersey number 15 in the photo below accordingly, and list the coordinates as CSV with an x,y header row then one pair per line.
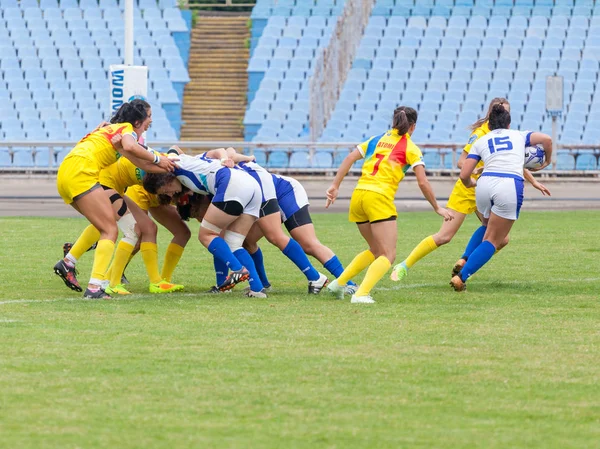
x,y
500,144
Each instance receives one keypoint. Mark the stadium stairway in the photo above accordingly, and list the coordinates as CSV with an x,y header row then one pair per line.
x,y
215,99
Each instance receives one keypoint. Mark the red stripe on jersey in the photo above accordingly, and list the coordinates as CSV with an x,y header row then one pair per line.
x,y
398,154
109,136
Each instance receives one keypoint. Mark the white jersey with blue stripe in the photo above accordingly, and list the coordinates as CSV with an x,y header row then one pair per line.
x,y
198,173
263,177
502,152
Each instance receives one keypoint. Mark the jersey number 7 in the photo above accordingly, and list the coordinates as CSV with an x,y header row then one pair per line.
x,y
380,157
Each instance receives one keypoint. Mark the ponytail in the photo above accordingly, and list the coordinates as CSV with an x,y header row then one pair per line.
x,y
404,118
499,117
131,112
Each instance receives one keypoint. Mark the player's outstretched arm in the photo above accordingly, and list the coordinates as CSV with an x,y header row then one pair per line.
x,y
534,183
332,191
239,157
130,148
546,141
428,193
221,153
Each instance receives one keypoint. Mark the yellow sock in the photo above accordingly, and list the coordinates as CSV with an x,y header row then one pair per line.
x,y
122,254
88,237
426,246
150,255
172,256
358,264
375,272
102,256
108,274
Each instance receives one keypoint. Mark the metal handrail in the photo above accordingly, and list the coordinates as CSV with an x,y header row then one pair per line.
x,y
225,4
289,147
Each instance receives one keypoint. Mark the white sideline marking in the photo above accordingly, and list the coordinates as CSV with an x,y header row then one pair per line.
x,y
175,296
6,320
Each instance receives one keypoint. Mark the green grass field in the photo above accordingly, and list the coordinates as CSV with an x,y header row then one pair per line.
x,y
512,363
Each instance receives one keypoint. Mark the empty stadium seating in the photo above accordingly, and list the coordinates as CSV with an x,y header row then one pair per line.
x,y
53,65
447,58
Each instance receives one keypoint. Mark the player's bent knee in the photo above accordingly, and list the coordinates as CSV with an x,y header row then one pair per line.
x,y
442,239
185,234
127,225
234,240
251,247
207,228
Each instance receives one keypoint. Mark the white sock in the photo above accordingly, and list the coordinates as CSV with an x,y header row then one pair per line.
x,y
71,260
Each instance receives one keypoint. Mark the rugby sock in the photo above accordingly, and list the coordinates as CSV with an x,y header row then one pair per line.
x,y
149,252
242,255
474,242
88,237
335,267
358,264
172,256
102,256
220,270
219,248
426,246
479,257
259,263
375,272
121,258
295,253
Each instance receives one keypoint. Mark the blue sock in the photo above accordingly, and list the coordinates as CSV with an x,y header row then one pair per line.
x,y
474,242
296,254
219,248
335,267
259,263
244,257
478,259
220,270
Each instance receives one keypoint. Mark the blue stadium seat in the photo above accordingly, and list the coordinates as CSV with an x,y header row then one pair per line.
x,y
22,157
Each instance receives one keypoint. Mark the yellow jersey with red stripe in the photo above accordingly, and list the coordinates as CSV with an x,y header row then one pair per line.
x,y
387,158
123,174
462,199
97,146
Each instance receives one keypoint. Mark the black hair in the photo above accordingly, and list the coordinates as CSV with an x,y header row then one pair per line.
x,y
404,118
154,181
499,117
498,100
134,112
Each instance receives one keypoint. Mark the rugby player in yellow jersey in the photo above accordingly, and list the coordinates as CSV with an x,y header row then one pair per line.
x,y
461,203
133,222
387,158
78,184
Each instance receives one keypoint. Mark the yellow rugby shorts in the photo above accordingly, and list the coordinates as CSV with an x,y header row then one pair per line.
x,y
462,199
368,206
76,177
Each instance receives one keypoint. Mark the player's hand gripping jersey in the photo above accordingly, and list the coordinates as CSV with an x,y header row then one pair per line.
x,y
122,174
